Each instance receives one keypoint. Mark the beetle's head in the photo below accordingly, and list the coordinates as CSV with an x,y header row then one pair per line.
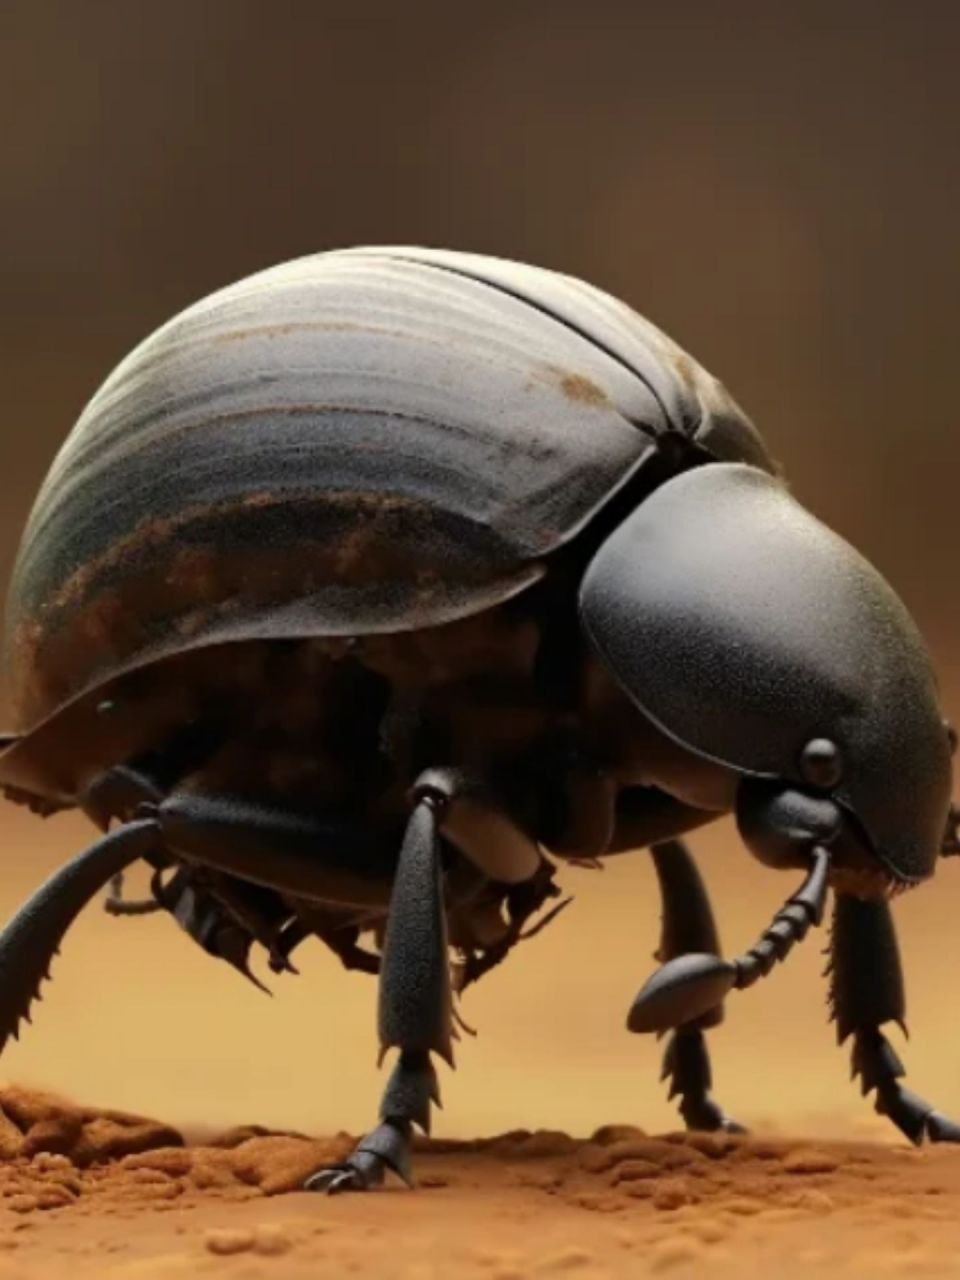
x,y
756,638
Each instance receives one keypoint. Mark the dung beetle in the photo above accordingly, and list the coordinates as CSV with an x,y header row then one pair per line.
x,y
371,588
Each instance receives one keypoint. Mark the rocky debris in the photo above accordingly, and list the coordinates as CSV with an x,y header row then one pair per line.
x,y
268,1240
34,1122
271,1240
56,1153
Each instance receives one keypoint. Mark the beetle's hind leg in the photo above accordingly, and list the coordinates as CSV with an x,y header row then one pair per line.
x,y
688,926
415,1005
866,991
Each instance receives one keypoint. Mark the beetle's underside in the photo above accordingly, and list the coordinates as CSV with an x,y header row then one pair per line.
x,y
330,740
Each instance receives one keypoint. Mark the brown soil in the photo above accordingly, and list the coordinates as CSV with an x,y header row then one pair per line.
x,y
87,1192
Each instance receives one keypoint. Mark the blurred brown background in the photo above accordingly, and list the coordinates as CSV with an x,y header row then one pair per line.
x,y
777,186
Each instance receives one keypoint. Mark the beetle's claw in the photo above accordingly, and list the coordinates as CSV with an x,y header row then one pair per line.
x,y
703,1115
336,1179
729,1125
361,1171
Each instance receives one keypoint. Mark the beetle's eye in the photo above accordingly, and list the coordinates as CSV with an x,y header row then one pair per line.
x,y
821,763
951,736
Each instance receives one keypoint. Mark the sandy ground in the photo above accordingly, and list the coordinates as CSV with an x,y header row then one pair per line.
x,y
87,1192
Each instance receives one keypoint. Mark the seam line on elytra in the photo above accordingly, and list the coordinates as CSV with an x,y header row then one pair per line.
x,y
565,323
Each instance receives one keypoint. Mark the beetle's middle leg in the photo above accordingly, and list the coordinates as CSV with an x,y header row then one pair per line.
x,y
866,991
415,1011
688,925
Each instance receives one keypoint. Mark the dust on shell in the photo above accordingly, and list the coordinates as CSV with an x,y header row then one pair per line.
x,y
174,583
86,1191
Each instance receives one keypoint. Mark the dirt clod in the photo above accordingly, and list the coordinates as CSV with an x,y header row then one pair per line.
x,y
632,1170
271,1240
224,1241
23,1203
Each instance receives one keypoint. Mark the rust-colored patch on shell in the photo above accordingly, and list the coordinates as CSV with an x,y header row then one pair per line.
x,y
583,390
199,577
184,565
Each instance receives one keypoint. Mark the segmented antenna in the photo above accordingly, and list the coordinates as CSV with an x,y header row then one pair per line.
x,y
790,924
695,983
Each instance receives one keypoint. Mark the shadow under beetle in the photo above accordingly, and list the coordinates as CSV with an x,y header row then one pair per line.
x,y
367,583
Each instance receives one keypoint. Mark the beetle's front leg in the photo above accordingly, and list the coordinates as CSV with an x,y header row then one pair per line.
x,y
688,926
866,991
415,1005
32,937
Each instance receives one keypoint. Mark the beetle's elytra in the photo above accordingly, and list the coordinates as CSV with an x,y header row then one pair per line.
x,y
370,587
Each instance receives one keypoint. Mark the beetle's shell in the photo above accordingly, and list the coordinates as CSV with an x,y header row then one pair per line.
x,y
358,441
